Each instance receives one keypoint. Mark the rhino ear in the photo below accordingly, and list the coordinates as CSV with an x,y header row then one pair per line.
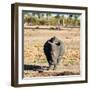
x,y
58,43
53,38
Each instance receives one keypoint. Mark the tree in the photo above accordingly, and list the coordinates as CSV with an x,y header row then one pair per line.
x,y
27,18
76,19
42,15
48,14
70,19
62,19
58,21
38,14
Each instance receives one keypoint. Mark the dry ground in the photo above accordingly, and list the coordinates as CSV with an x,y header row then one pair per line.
x,y
35,60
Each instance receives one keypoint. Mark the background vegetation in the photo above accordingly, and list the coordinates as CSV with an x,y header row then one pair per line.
x,y
38,18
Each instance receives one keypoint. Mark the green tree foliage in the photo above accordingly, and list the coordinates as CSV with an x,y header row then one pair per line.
x,y
27,18
38,18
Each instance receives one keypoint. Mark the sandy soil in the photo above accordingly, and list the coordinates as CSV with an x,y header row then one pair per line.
x,y
35,63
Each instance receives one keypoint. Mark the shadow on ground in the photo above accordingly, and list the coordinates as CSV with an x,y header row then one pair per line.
x,y
42,71
35,67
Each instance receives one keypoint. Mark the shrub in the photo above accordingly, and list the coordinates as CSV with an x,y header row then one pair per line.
x,y
51,28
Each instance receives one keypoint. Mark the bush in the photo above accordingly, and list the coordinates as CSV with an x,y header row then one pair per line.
x,y
37,27
42,22
51,28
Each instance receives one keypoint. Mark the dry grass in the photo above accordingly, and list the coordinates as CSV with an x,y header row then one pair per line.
x,y
34,55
